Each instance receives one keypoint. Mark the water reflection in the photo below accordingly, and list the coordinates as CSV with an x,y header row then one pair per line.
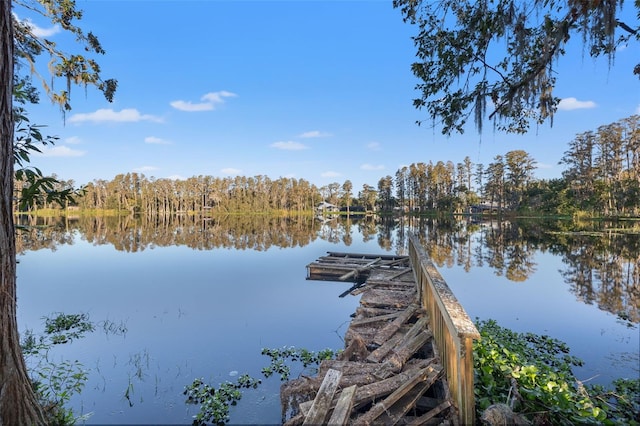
x,y
602,263
179,298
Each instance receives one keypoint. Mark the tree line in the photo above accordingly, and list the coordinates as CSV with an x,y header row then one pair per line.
x,y
602,177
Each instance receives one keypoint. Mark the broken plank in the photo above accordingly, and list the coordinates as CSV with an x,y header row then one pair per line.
x,y
322,401
386,317
390,329
341,413
394,363
355,272
431,414
379,408
373,391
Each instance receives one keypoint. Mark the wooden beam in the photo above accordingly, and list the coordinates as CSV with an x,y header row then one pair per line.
x,y
342,412
322,402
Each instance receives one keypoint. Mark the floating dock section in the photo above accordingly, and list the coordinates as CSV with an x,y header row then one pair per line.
x,y
391,370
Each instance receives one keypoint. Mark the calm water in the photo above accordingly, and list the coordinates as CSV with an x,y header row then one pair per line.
x,y
177,301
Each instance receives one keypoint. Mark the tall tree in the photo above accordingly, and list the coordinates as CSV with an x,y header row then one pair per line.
x,y
18,403
347,194
501,54
520,167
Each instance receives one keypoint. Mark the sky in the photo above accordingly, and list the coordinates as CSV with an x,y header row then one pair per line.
x,y
314,90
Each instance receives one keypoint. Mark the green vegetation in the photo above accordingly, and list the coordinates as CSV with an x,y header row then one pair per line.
x,y
502,54
215,402
532,374
55,382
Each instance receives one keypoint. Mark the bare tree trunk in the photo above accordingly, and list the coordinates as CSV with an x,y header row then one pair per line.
x,y
18,403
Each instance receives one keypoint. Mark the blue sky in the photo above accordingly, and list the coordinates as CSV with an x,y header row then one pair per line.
x,y
319,90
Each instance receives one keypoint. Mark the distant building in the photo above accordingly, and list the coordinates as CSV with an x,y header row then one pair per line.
x,y
325,207
485,208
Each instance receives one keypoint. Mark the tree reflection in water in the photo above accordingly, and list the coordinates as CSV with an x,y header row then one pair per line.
x,y
602,260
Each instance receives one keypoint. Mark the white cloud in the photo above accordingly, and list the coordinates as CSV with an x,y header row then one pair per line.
x,y
374,146
145,169
39,31
230,171
568,104
544,166
638,110
367,166
60,151
289,145
73,140
155,140
315,134
330,174
128,115
209,102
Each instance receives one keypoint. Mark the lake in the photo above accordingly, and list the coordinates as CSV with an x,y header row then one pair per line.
x,y
180,298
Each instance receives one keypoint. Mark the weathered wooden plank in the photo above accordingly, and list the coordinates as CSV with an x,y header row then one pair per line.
x,y
431,414
387,298
367,393
379,408
381,352
341,413
367,256
364,312
394,363
394,414
359,270
322,402
400,408
386,317
390,329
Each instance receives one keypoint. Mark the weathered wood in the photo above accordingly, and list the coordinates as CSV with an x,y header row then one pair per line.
x,y
322,402
390,329
394,363
376,390
387,298
365,312
431,414
381,352
341,413
357,271
394,414
366,256
356,349
379,318
454,332
378,409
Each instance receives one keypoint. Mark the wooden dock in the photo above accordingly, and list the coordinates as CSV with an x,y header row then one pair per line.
x,y
390,371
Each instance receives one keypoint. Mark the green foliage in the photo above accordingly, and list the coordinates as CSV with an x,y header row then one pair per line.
x,y
81,69
533,373
63,328
56,382
214,403
33,185
280,357
502,54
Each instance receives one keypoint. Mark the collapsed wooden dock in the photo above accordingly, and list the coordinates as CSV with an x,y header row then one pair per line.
x,y
390,371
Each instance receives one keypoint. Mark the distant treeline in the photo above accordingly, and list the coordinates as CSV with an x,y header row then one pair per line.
x,y
602,177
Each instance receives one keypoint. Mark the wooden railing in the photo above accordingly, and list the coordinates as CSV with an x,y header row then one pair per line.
x,y
452,329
